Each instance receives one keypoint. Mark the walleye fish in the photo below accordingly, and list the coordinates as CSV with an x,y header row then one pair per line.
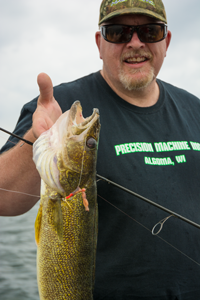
x,y
66,224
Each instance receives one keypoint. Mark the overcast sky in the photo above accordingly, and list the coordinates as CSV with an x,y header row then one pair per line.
x,y
57,37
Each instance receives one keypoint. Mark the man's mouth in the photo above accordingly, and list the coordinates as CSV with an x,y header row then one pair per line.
x,y
135,60
136,57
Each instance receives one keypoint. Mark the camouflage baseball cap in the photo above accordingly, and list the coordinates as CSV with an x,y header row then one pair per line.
x,y
112,8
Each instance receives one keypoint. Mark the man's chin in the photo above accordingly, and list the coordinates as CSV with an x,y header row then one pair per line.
x,y
136,82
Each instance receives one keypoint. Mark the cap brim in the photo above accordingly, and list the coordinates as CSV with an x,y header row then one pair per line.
x,y
133,11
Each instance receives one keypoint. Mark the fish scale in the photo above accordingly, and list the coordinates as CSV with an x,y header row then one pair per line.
x,y
70,258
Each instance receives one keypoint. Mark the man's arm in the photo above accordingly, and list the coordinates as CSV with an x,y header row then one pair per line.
x,y
17,169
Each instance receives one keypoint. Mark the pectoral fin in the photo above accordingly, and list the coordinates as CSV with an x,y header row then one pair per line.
x,y
57,217
38,223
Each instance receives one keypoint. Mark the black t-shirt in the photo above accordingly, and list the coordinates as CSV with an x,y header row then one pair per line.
x,y
155,152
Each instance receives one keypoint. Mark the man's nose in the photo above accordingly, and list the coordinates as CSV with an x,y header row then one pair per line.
x,y
135,42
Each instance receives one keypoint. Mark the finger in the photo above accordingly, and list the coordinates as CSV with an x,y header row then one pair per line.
x,y
46,88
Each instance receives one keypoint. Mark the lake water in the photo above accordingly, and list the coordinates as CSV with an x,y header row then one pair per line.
x,y
18,257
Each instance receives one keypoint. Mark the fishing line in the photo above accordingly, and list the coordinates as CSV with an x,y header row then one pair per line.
x,y
103,178
81,173
127,216
19,193
126,190
194,261
8,140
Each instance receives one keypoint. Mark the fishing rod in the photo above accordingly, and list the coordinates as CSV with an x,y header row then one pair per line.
x,y
172,213
16,136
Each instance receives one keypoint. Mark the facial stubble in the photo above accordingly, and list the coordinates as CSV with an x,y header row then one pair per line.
x,y
136,83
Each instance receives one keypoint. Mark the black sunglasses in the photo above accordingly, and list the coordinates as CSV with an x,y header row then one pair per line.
x,y
147,33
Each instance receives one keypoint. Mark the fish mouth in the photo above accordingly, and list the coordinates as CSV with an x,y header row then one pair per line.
x,y
80,124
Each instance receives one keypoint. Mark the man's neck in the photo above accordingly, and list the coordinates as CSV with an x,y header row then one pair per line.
x,y
142,98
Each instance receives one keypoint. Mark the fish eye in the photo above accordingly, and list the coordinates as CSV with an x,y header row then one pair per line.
x,y
91,143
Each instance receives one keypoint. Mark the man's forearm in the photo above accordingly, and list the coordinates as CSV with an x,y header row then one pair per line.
x,y
18,173
17,169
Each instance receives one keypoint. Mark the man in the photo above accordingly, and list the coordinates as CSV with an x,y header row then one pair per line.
x,y
149,141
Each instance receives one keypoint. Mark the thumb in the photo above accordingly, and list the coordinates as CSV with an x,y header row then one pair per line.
x,y
48,109
46,88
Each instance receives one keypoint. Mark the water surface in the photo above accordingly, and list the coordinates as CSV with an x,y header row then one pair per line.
x,y
18,257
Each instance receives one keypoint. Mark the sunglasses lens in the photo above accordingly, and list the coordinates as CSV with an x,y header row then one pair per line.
x,y
117,33
151,33
148,33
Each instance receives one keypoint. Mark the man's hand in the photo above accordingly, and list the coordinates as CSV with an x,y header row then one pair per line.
x,y
48,109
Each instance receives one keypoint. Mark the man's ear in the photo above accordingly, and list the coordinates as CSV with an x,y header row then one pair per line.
x,y
167,40
98,42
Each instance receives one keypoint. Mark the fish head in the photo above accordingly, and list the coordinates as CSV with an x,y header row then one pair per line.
x,y
78,153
